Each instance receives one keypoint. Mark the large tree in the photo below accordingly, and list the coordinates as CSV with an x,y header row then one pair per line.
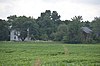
x,y
60,33
48,23
96,28
73,31
4,30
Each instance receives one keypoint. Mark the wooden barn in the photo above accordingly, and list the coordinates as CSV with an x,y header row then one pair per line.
x,y
86,34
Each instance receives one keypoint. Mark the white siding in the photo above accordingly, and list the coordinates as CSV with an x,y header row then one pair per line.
x,y
13,36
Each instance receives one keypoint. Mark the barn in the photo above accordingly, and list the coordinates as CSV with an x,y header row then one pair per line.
x,y
86,34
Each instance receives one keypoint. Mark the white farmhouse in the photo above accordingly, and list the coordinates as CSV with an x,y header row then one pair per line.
x,y
14,36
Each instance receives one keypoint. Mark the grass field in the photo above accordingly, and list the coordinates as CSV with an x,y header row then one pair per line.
x,y
48,54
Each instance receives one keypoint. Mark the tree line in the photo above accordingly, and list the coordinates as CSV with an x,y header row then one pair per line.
x,y
49,26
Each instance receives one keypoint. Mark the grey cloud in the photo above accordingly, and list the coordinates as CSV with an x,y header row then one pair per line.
x,y
53,1
5,1
93,2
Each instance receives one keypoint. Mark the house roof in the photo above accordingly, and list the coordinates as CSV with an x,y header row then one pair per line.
x,y
86,29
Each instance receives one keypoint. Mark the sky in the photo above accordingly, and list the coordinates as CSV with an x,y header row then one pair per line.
x,y
88,9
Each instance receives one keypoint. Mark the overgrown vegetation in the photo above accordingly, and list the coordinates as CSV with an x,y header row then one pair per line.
x,y
48,54
48,26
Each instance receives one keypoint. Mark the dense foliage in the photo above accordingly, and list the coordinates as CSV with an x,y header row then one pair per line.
x,y
4,30
48,26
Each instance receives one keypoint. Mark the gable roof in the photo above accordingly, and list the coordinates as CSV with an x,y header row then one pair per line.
x,y
86,29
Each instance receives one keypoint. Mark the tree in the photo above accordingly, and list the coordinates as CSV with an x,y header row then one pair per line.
x,y
22,24
77,19
55,20
4,30
48,23
55,16
34,30
11,20
73,31
45,23
86,24
60,33
66,22
96,28
44,37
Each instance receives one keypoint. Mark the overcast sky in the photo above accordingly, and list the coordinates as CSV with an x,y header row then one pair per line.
x,y
66,8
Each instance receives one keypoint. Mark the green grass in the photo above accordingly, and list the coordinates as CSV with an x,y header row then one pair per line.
x,y
49,54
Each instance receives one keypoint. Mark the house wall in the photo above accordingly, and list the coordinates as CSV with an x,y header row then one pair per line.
x,y
13,36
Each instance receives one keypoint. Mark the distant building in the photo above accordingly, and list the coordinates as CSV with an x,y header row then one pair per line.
x,y
14,36
86,34
86,30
